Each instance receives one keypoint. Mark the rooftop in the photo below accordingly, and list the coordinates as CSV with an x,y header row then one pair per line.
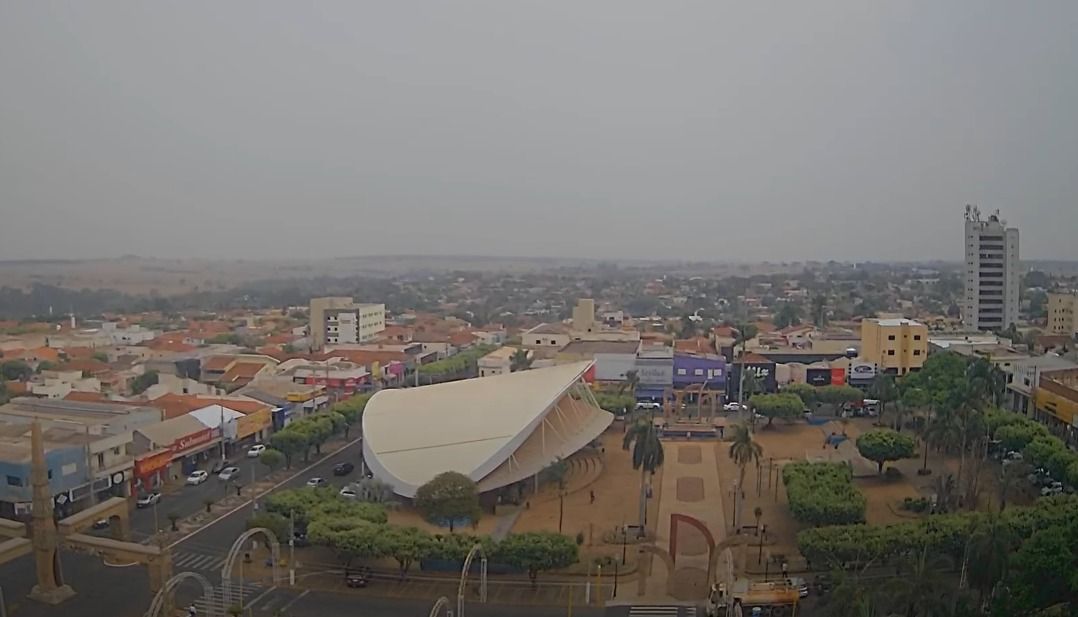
x,y
594,347
891,323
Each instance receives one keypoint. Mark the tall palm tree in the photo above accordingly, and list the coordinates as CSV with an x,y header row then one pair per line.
x,y
920,591
942,430
745,332
885,391
647,455
632,380
990,547
743,450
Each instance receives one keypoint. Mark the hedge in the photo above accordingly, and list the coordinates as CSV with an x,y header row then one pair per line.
x,y
823,493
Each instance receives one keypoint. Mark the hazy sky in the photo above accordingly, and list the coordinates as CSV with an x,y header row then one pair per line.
x,y
702,130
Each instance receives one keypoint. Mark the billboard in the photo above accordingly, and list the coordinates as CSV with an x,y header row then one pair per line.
x,y
838,376
862,371
818,376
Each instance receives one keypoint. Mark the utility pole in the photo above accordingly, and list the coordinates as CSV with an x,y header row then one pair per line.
x,y
291,548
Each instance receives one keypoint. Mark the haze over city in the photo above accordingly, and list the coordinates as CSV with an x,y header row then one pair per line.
x,y
711,131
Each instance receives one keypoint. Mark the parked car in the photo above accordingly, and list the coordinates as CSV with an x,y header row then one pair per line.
x,y
1054,488
349,493
343,469
317,482
148,499
197,477
732,406
256,450
800,585
228,473
299,539
648,405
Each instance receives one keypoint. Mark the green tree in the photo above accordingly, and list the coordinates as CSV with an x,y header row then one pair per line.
x,y
520,361
920,591
885,445
743,450
823,493
407,545
647,455
990,548
276,523
351,539
789,314
819,310
777,406
15,370
742,335
289,443
617,404
632,380
272,459
46,365
1044,573
537,552
885,390
837,396
804,391
351,410
141,383
448,497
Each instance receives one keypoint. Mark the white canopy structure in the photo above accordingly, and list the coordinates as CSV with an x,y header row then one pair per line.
x,y
496,430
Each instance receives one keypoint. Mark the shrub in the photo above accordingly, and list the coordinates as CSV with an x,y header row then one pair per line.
x,y
823,493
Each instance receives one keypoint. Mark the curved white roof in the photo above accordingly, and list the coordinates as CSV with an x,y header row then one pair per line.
x,y
474,426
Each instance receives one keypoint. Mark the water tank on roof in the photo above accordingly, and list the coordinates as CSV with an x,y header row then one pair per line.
x,y
851,352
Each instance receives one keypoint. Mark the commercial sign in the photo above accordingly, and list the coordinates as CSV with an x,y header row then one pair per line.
x,y
818,376
149,465
838,376
192,441
252,423
862,371
655,373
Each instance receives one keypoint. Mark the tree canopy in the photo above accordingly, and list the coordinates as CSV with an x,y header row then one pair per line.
x,y
803,391
141,383
823,493
773,406
537,552
885,445
447,498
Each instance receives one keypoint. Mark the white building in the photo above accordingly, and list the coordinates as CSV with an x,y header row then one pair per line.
x,y
992,272
497,362
339,320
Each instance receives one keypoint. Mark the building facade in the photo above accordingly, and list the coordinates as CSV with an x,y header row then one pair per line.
x,y
894,345
992,272
1063,312
340,320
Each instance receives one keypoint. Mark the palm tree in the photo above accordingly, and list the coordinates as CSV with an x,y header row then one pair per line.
x,y
885,391
632,380
520,361
647,454
557,471
743,450
921,591
990,547
941,430
745,333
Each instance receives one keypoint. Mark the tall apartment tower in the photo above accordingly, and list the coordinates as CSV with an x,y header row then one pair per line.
x,y
340,320
992,272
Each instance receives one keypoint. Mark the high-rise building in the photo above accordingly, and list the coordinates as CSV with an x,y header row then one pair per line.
x,y
992,272
1063,312
341,321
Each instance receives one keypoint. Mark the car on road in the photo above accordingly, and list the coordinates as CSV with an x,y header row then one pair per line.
x,y
101,523
648,405
228,473
148,499
800,584
317,482
219,466
349,493
256,450
197,477
733,406
343,469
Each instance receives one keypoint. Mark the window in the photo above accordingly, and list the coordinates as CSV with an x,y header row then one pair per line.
x,y
890,337
100,460
14,481
890,352
698,371
681,371
538,342
916,352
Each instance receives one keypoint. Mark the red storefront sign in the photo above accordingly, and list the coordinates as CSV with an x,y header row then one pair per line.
x,y
153,463
838,376
191,441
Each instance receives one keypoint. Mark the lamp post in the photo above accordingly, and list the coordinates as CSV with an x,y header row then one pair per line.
x,y
614,594
624,543
760,554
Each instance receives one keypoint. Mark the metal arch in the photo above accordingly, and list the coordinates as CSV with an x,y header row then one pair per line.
x,y
477,548
164,595
440,603
237,546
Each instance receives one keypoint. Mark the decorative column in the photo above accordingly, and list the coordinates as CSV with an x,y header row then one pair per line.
x,y
50,587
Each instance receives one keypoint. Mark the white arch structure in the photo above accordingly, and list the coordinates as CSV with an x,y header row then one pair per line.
x,y
163,598
237,547
439,604
477,548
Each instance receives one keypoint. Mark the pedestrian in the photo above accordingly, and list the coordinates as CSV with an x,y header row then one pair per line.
x,y
785,569
592,495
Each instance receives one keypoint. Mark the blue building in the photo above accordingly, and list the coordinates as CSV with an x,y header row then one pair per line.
x,y
68,478
694,370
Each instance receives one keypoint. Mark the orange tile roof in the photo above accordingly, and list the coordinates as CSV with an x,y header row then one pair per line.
x,y
158,345
85,397
725,331
242,372
462,338
280,339
42,354
218,363
17,387
175,405
363,357
764,326
86,366
752,357
696,344
78,353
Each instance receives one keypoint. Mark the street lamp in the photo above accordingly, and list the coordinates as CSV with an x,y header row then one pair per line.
x,y
624,542
760,554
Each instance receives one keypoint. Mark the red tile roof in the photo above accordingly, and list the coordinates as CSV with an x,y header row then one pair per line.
x,y
175,405
696,344
218,363
242,372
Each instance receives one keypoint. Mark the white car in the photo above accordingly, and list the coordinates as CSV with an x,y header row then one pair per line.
x,y
228,473
734,406
197,477
648,405
317,482
1054,488
349,493
256,451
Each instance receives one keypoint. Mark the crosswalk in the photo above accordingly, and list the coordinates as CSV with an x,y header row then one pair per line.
x,y
188,561
662,611
219,605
